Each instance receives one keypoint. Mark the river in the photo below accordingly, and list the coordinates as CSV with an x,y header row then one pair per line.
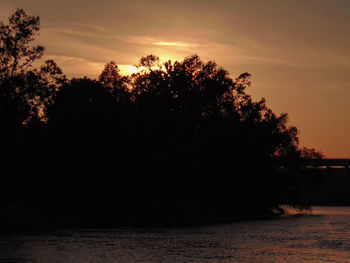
x,y
321,237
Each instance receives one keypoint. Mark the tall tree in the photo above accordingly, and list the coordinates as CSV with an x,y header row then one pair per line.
x,y
114,82
16,54
24,91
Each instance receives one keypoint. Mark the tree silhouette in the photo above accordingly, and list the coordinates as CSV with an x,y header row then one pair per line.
x,y
201,128
16,54
178,139
111,79
25,92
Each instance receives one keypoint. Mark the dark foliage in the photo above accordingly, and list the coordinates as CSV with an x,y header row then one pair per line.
x,y
179,139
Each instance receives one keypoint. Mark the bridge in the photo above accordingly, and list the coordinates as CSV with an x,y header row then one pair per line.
x,y
328,163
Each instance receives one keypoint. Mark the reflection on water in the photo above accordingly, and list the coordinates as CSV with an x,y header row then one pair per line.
x,y
324,237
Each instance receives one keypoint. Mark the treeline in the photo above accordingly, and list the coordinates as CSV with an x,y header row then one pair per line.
x,y
179,138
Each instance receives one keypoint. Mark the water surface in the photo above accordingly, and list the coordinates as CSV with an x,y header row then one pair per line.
x,y
323,237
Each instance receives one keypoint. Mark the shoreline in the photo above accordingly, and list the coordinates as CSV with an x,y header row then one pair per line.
x,y
51,221
46,221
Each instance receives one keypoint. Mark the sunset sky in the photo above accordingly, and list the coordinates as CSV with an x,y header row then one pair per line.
x,y
298,52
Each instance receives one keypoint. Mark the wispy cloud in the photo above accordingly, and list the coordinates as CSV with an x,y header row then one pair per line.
x,y
159,41
89,27
141,40
76,66
71,32
174,44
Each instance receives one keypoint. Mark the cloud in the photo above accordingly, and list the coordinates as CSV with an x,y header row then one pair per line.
x,y
81,30
89,27
72,32
161,40
77,66
174,44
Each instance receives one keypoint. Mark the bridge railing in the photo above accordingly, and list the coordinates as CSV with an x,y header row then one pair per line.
x,y
327,163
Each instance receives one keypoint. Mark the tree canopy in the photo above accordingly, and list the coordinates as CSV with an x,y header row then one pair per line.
x,y
25,91
180,137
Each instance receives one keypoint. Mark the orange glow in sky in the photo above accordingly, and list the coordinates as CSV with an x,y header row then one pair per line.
x,y
298,52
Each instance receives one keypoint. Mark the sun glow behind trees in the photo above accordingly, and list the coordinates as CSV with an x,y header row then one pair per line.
x,y
181,134
130,69
127,70
304,74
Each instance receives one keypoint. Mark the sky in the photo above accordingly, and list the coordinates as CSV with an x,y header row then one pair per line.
x,y
298,52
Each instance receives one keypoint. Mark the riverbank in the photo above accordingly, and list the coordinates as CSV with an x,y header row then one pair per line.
x,y
16,220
